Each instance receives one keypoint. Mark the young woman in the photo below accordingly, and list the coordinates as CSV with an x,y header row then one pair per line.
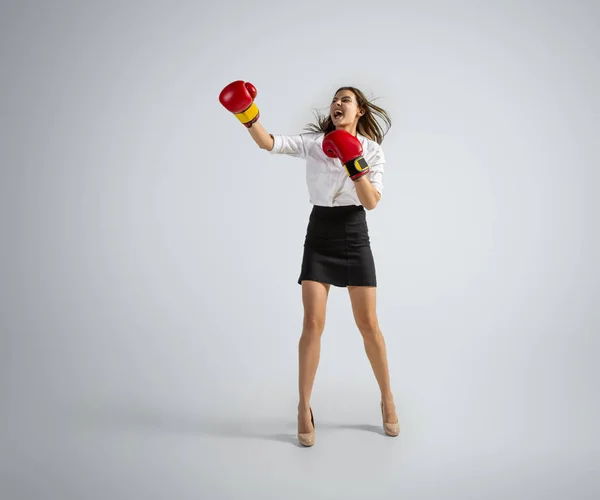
x,y
344,175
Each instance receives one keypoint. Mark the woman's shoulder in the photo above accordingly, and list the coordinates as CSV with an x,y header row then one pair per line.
x,y
312,140
372,151
369,143
312,136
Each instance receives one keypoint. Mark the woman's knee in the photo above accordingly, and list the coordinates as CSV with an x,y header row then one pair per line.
x,y
314,296
313,325
369,328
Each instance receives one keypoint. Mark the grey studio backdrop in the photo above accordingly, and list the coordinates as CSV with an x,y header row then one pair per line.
x,y
150,312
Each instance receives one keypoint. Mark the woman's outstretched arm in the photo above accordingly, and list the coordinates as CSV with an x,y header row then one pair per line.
x,y
261,136
238,98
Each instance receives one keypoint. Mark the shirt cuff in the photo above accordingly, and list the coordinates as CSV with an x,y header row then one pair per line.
x,y
276,144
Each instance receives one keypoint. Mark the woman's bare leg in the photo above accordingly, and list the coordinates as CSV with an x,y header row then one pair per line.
x,y
314,299
363,301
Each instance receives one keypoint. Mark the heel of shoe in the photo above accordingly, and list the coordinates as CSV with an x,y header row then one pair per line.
x,y
308,438
391,429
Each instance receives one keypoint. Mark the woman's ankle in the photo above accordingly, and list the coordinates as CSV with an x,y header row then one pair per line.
x,y
387,399
303,406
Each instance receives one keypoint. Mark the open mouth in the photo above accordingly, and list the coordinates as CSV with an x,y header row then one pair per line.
x,y
338,113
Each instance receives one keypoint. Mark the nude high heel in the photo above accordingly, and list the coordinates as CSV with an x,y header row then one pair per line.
x,y
308,438
391,429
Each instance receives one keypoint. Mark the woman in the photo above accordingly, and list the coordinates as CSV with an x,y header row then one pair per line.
x,y
344,175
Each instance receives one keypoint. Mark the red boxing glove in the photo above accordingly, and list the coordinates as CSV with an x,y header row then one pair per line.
x,y
348,149
238,97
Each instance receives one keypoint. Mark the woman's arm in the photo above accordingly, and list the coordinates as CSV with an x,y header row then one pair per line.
x,y
367,194
261,136
238,98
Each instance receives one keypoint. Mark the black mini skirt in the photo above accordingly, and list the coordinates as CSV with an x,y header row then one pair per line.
x,y
337,248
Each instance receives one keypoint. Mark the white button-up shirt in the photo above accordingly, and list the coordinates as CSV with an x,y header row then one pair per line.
x,y
327,180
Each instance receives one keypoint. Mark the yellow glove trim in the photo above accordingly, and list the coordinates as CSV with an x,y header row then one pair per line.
x,y
248,115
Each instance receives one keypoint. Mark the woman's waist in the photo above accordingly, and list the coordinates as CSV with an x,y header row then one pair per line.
x,y
339,213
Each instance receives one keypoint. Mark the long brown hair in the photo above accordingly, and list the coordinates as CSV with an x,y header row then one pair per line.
x,y
367,126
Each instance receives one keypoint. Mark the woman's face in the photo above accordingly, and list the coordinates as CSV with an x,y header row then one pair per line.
x,y
344,110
